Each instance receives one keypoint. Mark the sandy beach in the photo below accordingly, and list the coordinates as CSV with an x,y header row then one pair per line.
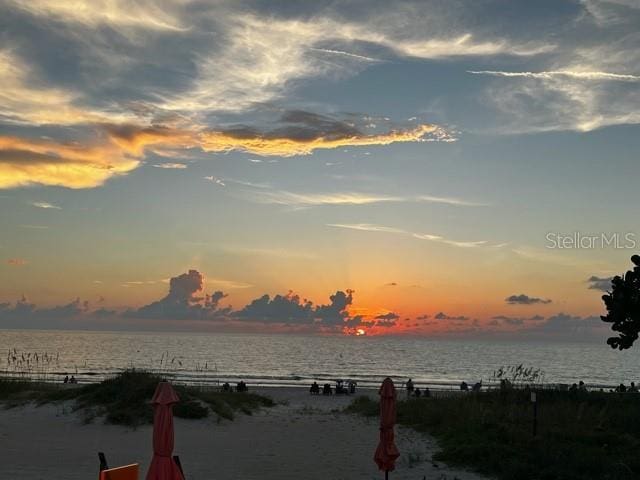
x,y
302,437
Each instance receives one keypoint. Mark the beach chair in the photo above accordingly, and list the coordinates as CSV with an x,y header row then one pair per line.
x,y
127,472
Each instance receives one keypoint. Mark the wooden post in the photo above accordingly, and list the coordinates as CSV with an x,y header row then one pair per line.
x,y
535,413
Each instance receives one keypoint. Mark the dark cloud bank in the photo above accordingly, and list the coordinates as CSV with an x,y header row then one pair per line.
x,y
187,304
188,307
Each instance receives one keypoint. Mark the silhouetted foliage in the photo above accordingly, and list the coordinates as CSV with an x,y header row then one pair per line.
x,y
623,307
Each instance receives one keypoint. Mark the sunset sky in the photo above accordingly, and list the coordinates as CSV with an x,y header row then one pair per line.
x,y
393,167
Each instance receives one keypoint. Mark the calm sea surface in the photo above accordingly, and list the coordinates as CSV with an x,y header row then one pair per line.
x,y
299,359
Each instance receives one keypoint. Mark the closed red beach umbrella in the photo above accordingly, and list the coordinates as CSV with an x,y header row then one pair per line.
x,y
163,467
387,452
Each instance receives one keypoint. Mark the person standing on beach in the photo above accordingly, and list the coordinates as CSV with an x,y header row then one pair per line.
x,y
409,387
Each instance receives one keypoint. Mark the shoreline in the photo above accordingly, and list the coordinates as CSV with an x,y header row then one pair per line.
x,y
434,387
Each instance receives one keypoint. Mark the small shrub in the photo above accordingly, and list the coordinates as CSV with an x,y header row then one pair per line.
x,y
364,405
191,409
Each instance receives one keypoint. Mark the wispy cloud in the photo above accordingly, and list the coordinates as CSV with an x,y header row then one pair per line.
x,y
346,54
46,205
25,101
450,201
227,284
587,87
368,227
284,197
579,75
263,55
171,166
455,243
611,12
215,180
119,14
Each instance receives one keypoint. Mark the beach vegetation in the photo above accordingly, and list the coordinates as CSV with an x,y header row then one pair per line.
x,y
125,399
579,435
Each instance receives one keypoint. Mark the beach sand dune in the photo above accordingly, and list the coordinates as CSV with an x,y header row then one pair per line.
x,y
304,437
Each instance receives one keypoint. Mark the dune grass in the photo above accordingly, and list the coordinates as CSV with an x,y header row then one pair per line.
x,y
580,435
125,398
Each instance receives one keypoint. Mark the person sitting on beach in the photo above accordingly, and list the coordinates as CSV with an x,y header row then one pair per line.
x,y
315,388
573,387
477,386
426,392
73,379
352,387
241,387
581,386
621,388
417,393
66,379
633,388
464,387
226,387
326,389
409,387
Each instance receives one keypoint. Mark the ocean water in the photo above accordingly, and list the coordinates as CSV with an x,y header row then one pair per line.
x,y
285,360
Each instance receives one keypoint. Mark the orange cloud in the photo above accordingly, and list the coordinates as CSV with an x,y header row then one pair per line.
x,y
288,146
135,139
28,161
119,149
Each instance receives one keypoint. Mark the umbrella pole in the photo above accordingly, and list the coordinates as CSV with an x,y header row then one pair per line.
x,y
386,475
